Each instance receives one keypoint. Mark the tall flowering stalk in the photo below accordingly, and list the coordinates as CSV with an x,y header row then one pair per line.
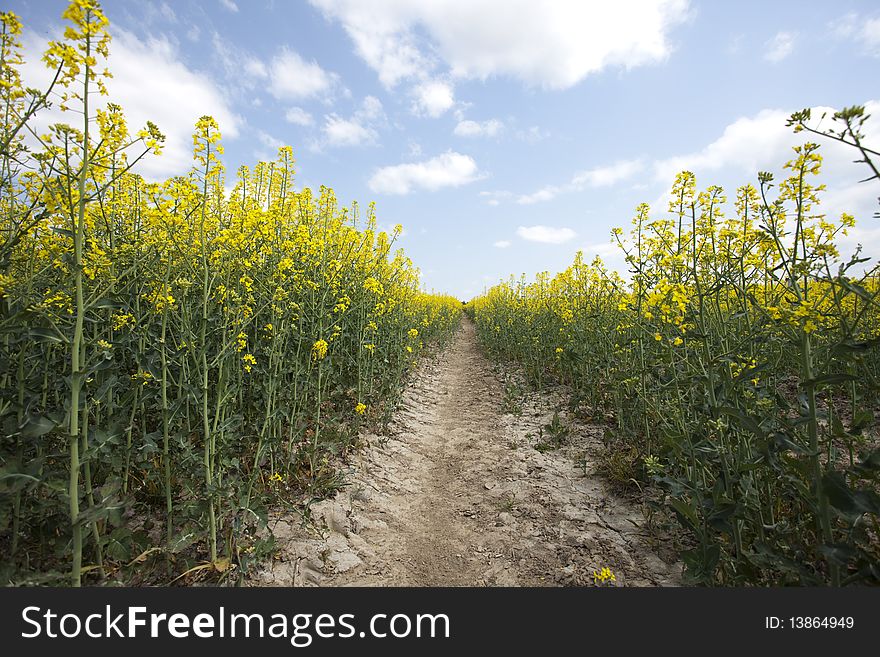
x,y
195,355
735,342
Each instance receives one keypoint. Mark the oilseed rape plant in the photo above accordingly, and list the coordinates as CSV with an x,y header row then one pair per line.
x,y
736,367
175,358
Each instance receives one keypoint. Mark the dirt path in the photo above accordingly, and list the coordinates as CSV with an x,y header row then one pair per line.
x,y
459,496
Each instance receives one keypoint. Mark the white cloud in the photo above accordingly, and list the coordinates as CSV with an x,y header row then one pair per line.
x,y
763,143
194,33
597,177
255,68
545,234
604,250
494,198
549,43
501,244
230,5
269,141
243,71
547,193
779,47
346,132
449,169
293,78
748,145
298,116
433,98
161,11
532,135
150,82
381,38
610,175
371,109
468,128
863,30
870,36
358,130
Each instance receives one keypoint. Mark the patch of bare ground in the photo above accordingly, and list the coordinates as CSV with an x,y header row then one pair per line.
x,y
460,496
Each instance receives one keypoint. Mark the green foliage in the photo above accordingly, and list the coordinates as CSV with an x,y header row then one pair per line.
x,y
176,358
736,368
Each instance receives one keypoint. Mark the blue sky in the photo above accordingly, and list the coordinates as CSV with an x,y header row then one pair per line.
x,y
503,135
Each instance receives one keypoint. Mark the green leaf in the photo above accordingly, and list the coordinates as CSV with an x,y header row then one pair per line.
x,y
685,512
36,426
829,379
869,463
845,499
744,421
41,334
106,303
861,420
855,288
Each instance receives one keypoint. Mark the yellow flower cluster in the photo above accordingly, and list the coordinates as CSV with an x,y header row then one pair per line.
x,y
725,324
187,286
603,576
319,350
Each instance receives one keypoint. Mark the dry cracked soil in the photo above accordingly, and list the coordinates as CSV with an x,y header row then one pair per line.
x,y
458,495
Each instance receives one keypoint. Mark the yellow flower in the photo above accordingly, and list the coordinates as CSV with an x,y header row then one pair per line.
x,y
121,320
319,350
360,408
604,575
5,284
413,333
143,376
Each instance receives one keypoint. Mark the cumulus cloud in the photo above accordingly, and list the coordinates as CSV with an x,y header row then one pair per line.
x,y
746,146
863,30
546,234
501,244
150,82
293,78
779,47
229,5
449,169
346,132
298,116
608,175
548,43
268,140
489,128
371,109
763,143
358,130
255,68
433,98
597,177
